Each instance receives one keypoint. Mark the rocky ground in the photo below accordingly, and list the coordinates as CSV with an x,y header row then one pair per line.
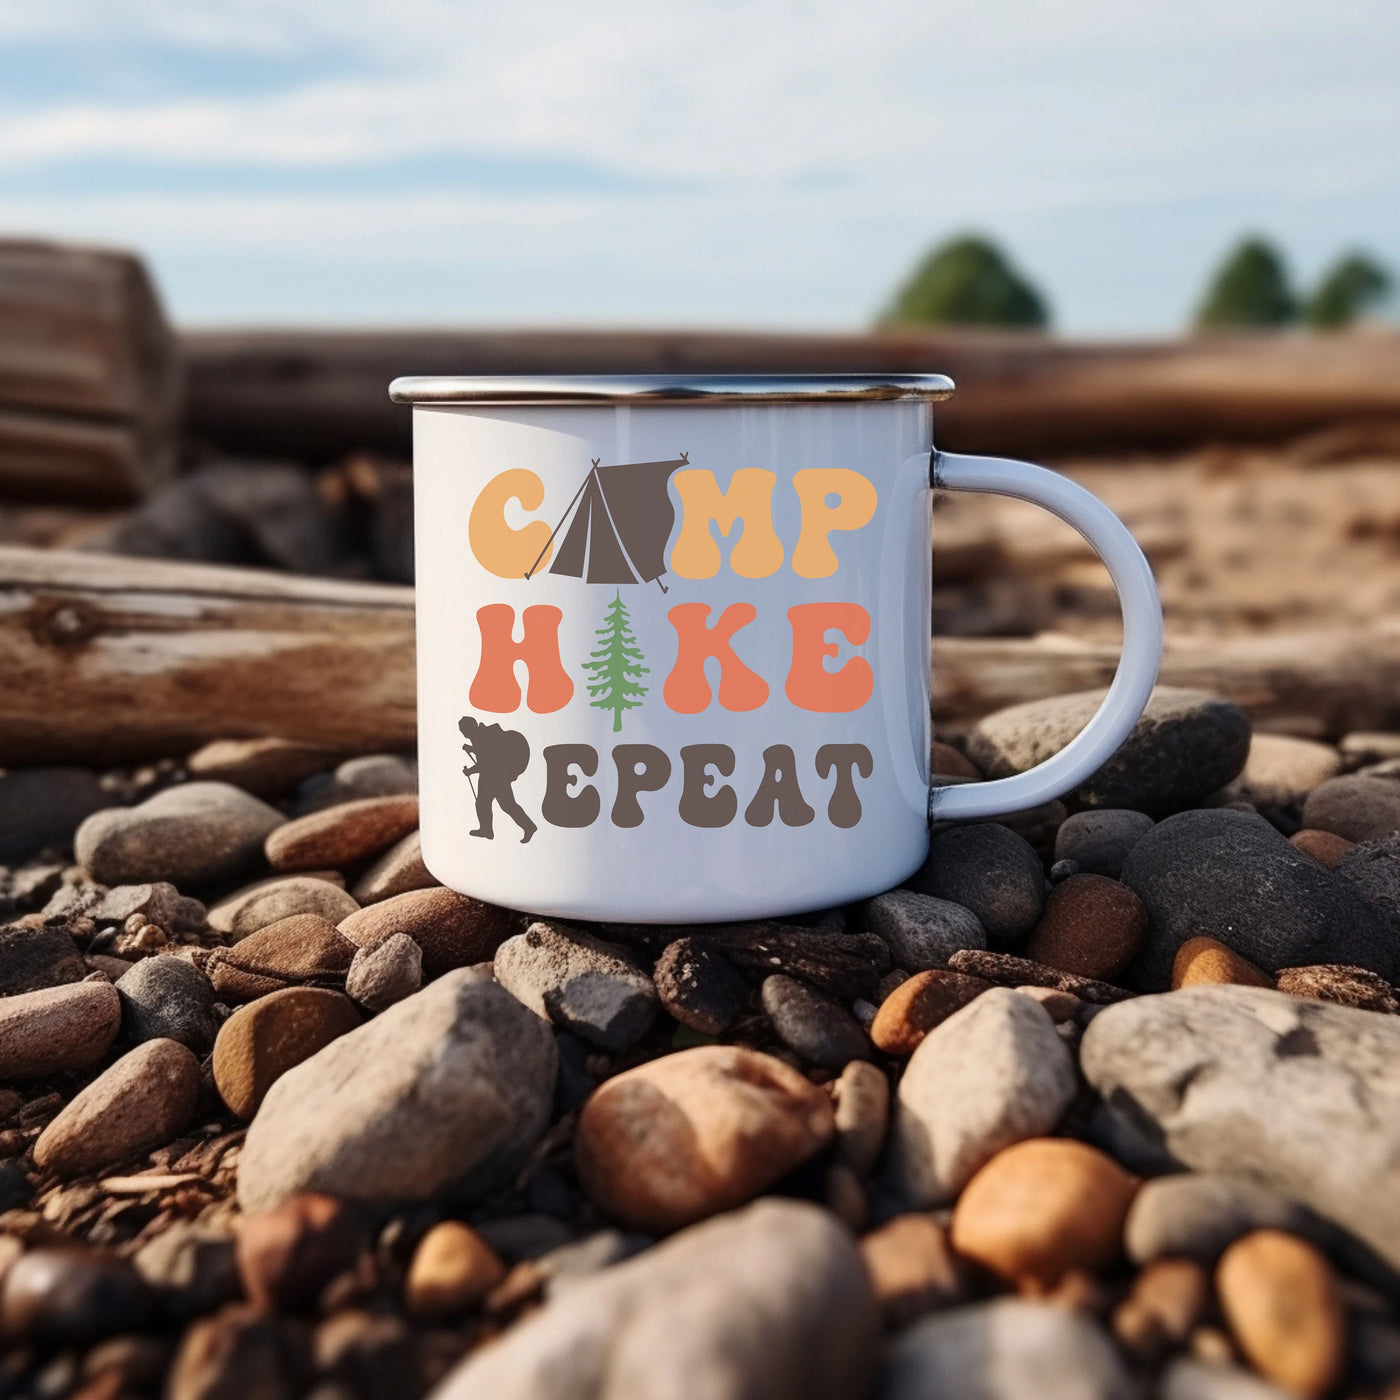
x,y
1105,1102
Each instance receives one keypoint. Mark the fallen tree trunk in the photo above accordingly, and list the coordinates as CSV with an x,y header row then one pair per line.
x,y
1323,684
108,660
318,395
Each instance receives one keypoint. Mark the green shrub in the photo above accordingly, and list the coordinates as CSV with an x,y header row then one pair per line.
x,y
966,282
1354,284
1250,289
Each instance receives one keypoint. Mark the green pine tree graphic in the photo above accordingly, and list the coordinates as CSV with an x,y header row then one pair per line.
x,y
616,666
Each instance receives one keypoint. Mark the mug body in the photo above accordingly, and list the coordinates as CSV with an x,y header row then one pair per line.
x,y
673,656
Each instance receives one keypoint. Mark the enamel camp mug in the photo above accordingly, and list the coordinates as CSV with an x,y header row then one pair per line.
x,y
673,639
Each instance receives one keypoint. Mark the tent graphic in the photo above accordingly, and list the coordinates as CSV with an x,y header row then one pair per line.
x,y
618,523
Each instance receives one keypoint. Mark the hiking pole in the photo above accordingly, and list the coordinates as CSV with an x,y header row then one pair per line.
x,y
471,782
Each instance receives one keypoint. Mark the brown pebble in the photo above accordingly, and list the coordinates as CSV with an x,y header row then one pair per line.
x,y
304,950
861,1099
148,1097
1042,1208
1341,984
1281,1300
57,1028
453,930
1204,960
681,1138
67,1295
1168,1298
912,1268
920,1003
453,1270
267,902
1325,847
260,1042
1059,1006
845,1196
343,834
1091,927
264,767
399,870
288,1254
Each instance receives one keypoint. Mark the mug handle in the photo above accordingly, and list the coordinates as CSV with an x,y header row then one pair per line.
x,y
1142,635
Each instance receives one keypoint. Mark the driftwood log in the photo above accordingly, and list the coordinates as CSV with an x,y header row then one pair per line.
x,y
320,395
89,376
106,660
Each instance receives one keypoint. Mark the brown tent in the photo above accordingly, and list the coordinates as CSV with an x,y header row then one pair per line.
x,y
618,524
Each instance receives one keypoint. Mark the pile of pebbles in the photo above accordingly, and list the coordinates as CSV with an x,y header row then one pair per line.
x,y
1103,1102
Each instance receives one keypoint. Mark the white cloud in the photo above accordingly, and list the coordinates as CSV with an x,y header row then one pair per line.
x,y
925,114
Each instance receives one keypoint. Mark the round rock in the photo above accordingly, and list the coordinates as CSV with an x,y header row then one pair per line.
x,y
1042,1209
1281,770
63,1295
811,1025
57,1029
1355,807
41,807
1092,926
677,1139
32,958
343,834
260,1042
269,901
1230,876
1186,745
862,1102
921,930
386,972
1201,961
1324,847
301,951
190,834
991,871
1007,1349
992,1074
579,982
452,1270
399,870
1284,1307
168,998
453,930
264,767
920,1003
447,1090
1098,840
147,1098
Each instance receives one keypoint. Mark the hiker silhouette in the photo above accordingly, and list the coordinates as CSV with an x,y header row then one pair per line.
x,y
501,756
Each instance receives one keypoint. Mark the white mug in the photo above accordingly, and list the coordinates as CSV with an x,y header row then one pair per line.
x,y
673,639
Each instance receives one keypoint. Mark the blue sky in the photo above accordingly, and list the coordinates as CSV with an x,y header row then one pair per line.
x,y
736,162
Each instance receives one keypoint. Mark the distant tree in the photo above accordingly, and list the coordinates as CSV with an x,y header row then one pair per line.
x,y
966,282
1250,289
1354,284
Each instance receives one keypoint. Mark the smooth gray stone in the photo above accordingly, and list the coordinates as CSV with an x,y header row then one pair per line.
x,y
1300,1095
1004,1350
769,1302
990,870
922,931
1186,746
1099,839
992,1074
1232,877
443,1093
168,997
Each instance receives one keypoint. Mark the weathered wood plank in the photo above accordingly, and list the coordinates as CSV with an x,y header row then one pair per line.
x,y
108,660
